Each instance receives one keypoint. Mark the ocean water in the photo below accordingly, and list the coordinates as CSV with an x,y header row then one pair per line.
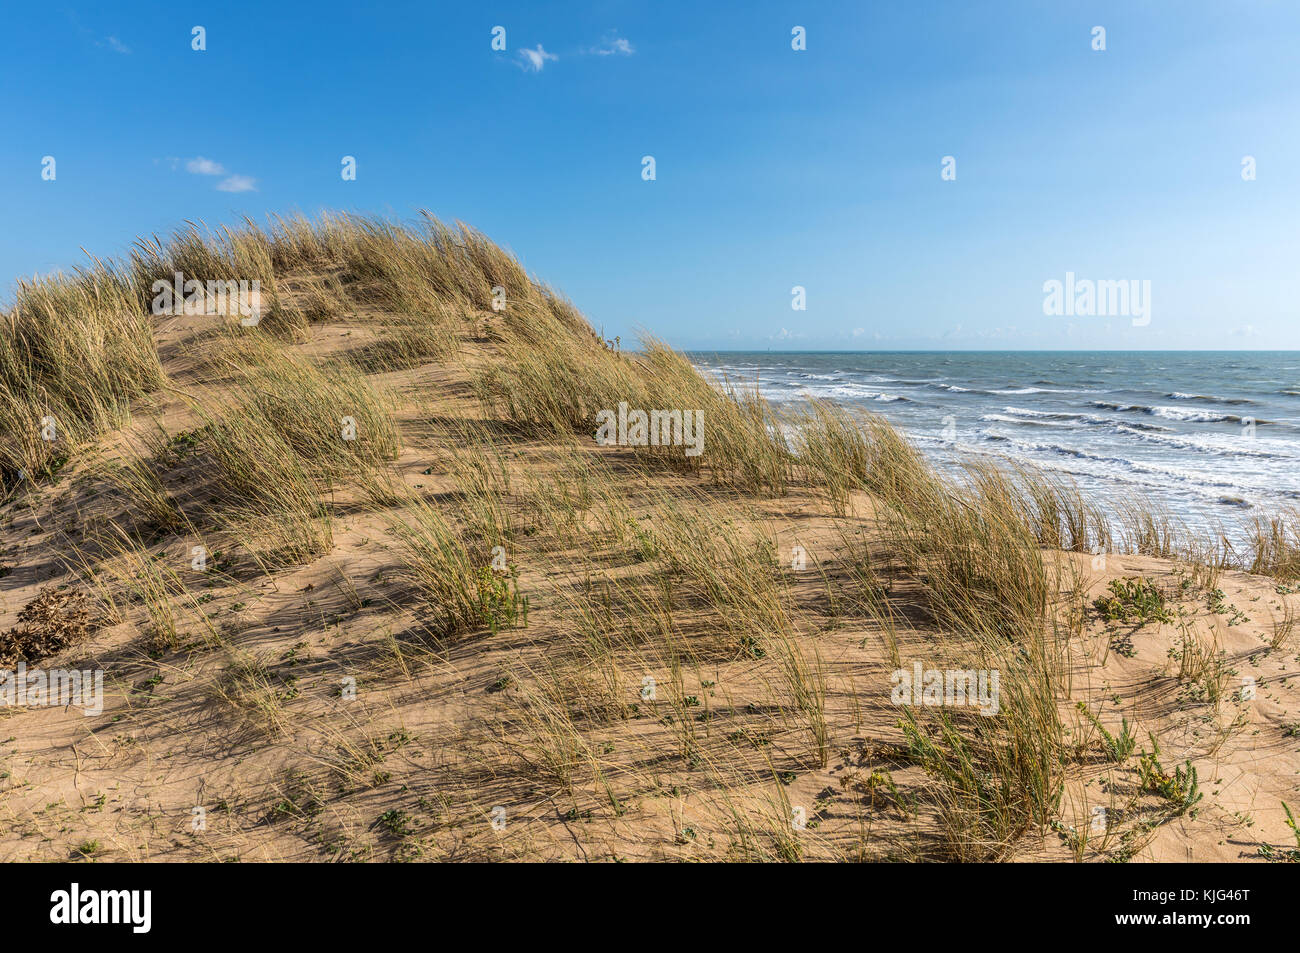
x,y
1214,436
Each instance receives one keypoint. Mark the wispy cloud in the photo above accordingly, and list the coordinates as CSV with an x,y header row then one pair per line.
x,y
535,60
237,183
86,34
201,166
613,45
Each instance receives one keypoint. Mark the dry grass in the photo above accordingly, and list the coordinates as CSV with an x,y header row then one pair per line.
x,y
1275,546
74,352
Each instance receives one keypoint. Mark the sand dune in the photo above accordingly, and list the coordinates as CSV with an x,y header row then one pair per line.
x,y
362,586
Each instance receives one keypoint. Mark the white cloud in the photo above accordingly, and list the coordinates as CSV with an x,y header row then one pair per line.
x,y
201,166
231,183
614,45
536,59
237,183
858,332
116,45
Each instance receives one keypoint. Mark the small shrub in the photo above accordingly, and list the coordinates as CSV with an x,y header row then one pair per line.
x,y
48,624
1181,789
1134,599
499,603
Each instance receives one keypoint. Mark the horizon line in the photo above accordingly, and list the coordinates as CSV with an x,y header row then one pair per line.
x,y
911,350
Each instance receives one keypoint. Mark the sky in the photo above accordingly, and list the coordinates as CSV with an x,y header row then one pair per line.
x,y
775,168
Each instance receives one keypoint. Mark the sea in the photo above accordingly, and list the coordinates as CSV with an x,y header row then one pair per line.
x,y
1213,436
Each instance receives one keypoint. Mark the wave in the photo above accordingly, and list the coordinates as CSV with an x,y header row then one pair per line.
x,y
1210,443
1023,421
1111,467
1179,395
1193,416
1056,448
1094,420
1040,390
1170,413
839,391
1044,414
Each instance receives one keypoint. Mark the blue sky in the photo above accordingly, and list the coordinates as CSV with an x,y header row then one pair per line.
x,y
775,168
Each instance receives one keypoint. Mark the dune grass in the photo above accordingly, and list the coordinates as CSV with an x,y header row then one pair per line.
x,y
75,351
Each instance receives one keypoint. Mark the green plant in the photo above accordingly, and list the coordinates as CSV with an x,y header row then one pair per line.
x,y
1181,788
89,848
396,822
1117,749
499,603
1134,598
